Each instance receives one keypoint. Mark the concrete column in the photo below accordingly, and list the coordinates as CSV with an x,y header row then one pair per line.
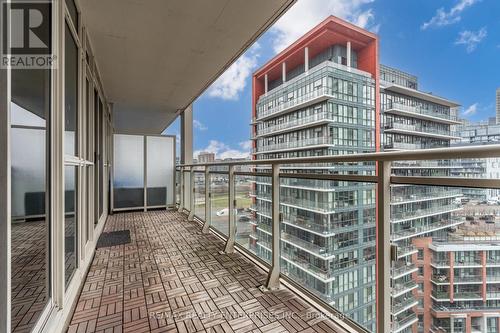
x,y
266,83
348,54
187,150
5,198
283,72
306,59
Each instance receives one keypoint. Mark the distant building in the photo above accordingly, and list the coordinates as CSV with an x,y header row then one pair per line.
x,y
479,133
206,157
461,274
498,106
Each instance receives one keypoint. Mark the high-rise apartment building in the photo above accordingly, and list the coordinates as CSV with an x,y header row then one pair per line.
x,y
411,120
322,96
479,133
318,97
462,275
206,157
498,105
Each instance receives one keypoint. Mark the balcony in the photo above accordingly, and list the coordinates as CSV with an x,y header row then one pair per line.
x,y
116,232
402,146
418,112
405,251
419,130
467,295
468,279
318,243
316,119
400,288
407,233
402,322
314,249
398,217
295,145
402,270
172,277
403,304
319,94
421,196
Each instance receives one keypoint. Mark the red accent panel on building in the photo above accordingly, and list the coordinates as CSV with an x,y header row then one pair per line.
x,y
483,274
452,274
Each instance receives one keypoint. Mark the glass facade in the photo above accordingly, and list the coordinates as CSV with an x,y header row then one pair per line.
x,y
327,227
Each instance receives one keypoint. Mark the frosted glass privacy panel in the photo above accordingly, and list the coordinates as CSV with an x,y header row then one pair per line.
x,y
128,182
160,161
28,172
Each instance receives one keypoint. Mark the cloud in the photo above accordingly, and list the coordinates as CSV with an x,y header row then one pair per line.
x,y
223,151
471,110
199,125
232,82
443,18
306,14
246,145
471,39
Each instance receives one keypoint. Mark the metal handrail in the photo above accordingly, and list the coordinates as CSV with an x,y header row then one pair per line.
x,y
484,151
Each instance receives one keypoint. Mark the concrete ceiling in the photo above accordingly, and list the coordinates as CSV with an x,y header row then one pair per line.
x,y
155,57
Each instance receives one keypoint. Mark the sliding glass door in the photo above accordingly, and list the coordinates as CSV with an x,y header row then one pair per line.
x,y
30,225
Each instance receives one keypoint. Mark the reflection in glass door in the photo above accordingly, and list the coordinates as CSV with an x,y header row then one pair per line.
x,y
71,153
98,157
30,225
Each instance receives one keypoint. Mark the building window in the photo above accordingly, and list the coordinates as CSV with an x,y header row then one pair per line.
x,y
420,254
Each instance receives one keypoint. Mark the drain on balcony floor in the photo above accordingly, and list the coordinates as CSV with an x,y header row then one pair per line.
x,y
114,238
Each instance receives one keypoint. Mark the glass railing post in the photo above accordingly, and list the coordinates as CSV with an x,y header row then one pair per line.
x,y
273,278
383,258
192,195
208,204
181,185
232,216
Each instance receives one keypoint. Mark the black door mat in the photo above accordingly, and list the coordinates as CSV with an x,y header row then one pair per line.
x,y
113,238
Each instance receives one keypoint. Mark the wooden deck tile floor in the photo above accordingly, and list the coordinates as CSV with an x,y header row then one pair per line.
x,y
171,278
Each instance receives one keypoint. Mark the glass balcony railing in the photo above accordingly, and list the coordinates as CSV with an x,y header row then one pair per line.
x,y
418,196
468,279
277,101
397,217
402,146
321,251
459,263
400,288
415,231
322,140
298,122
322,232
406,250
403,270
403,303
401,322
415,111
422,130
467,295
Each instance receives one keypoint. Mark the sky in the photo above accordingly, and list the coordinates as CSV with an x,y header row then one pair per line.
x,y
453,46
